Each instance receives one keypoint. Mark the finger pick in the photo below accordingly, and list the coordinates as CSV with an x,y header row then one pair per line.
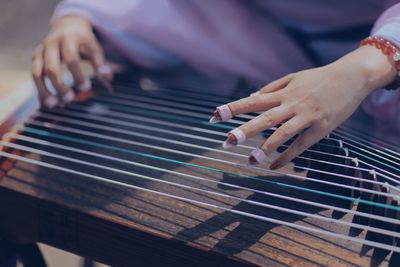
x,y
85,86
222,113
215,118
257,156
51,101
104,70
68,97
235,137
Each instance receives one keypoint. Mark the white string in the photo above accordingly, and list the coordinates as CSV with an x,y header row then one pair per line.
x,y
196,115
68,129
202,102
172,102
103,127
256,203
192,201
136,125
138,104
362,136
85,152
115,114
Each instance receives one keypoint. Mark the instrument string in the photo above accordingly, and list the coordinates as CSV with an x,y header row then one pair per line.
x,y
170,103
136,126
204,204
214,193
198,93
174,110
180,152
148,112
211,104
152,100
149,99
15,136
146,155
145,97
115,116
154,110
342,131
161,130
363,136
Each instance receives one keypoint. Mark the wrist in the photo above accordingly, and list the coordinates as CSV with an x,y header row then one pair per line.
x,y
72,21
374,68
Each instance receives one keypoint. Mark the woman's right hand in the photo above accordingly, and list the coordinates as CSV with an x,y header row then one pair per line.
x,y
70,40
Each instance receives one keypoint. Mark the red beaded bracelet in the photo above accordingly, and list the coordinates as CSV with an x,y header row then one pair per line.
x,y
390,50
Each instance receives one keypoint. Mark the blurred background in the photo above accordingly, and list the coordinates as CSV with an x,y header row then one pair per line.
x,y
22,26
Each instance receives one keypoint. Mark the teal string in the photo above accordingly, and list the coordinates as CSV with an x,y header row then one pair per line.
x,y
222,126
128,151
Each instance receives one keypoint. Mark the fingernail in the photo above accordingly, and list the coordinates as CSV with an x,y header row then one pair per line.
x,y
85,86
222,113
257,156
104,70
68,97
215,119
255,93
275,165
51,101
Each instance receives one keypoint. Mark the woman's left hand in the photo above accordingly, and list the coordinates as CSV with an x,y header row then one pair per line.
x,y
309,103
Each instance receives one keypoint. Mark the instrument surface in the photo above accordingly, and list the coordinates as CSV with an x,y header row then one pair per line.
x,y
138,177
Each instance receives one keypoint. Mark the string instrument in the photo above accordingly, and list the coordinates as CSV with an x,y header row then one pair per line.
x,y
138,177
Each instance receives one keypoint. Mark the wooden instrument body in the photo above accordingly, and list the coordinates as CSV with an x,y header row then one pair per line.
x,y
128,227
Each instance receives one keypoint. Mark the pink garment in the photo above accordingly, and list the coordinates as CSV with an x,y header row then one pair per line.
x,y
230,38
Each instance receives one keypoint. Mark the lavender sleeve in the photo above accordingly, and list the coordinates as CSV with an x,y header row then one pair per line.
x,y
388,25
191,32
112,21
384,105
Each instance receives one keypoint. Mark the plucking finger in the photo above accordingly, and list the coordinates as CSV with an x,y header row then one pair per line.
x,y
52,69
245,105
285,132
260,123
275,85
71,57
305,140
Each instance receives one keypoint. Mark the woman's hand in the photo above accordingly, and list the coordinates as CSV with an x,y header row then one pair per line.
x,y
309,103
71,39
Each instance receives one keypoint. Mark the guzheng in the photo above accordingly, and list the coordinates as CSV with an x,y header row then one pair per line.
x,y
138,177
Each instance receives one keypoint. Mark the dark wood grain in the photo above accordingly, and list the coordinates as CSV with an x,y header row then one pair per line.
x,y
126,227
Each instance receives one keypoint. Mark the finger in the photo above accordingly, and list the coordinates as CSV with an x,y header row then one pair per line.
x,y
260,123
71,57
248,104
95,55
303,141
275,85
52,67
45,96
288,130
